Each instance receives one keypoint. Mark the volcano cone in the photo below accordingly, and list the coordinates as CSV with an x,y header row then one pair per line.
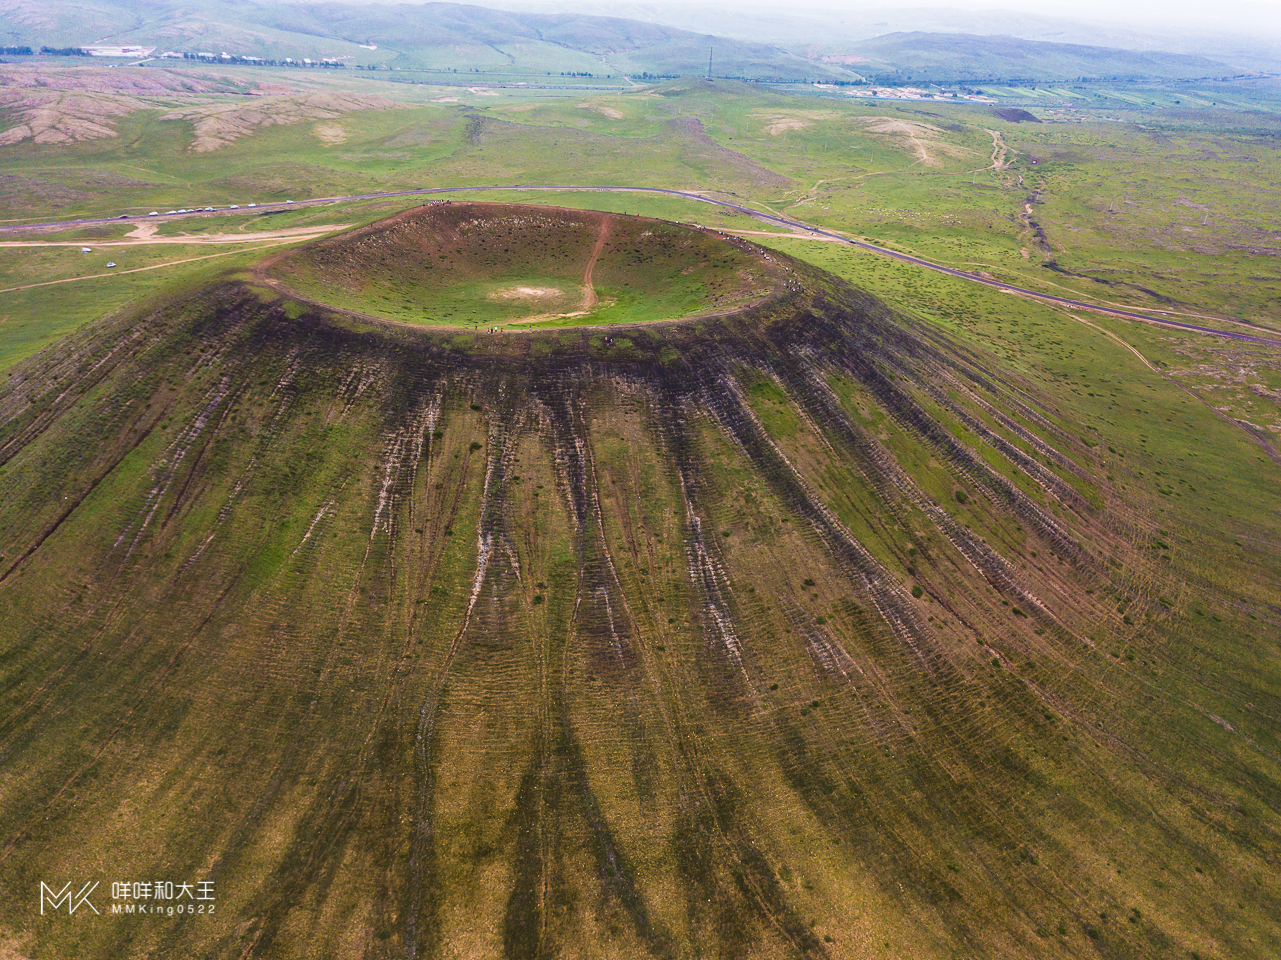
x,y
773,631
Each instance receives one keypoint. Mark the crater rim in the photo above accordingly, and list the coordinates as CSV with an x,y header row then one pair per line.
x,y
768,283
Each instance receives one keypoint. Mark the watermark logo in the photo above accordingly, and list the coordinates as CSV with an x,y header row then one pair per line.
x,y
159,898
162,898
64,897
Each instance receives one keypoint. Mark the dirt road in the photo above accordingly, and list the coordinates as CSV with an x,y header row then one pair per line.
x,y
146,233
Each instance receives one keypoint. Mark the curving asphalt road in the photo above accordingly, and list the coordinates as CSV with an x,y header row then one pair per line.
x,y
771,218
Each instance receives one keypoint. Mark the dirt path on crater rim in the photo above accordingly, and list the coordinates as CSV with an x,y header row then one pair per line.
x,y
589,292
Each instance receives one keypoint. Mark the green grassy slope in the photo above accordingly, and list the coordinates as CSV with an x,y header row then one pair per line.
x,y
815,631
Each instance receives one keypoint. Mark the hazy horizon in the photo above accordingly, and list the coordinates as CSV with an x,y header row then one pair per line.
x,y
1256,21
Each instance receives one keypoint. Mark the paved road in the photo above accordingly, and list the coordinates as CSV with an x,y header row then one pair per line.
x,y
771,218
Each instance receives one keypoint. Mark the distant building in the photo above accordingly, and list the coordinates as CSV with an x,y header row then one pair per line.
x,y
114,51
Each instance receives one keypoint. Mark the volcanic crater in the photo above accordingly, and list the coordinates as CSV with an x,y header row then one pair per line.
x,y
485,265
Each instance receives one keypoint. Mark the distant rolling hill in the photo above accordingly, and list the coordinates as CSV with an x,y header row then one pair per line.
x,y
434,36
462,38
958,56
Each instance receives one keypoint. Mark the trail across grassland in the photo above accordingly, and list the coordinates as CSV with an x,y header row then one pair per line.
x,y
154,266
589,292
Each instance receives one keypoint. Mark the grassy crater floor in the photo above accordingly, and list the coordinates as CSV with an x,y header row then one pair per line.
x,y
478,265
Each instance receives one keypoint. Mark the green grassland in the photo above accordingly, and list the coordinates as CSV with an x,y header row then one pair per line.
x,y
1158,203
1197,104
60,293
839,630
